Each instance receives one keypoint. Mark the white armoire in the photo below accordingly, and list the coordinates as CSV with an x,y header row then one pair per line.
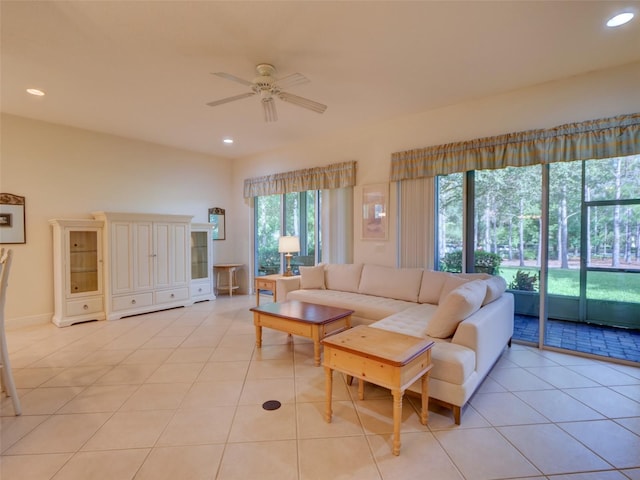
x,y
147,261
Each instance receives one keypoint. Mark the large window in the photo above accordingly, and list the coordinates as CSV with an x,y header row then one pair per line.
x,y
589,270
289,214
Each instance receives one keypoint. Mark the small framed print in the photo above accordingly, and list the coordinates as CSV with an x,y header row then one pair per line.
x,y
12,218
375,199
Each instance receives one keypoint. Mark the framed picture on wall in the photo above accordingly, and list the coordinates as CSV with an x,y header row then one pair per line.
x,y
12,218
375,201
217,219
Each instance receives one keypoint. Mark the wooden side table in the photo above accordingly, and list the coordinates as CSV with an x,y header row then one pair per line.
x,y
391,360
267,282
230,269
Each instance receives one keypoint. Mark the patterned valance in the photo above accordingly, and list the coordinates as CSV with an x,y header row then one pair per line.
x,y
605,138
337,175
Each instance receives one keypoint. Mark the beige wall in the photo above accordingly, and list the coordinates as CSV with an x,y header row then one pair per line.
x,y
67,173
595,95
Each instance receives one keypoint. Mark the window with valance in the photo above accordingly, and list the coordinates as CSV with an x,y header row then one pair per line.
x,y
337,175
594,139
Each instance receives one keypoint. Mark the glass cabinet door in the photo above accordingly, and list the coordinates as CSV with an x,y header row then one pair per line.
x,y
83,262
199,260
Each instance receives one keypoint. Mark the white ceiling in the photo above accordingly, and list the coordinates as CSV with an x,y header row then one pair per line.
x,y
143,69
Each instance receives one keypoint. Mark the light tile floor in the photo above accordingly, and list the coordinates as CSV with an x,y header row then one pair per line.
x,y
178,394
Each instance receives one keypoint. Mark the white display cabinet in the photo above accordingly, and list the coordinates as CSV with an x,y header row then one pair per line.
x,y
201,262
78,269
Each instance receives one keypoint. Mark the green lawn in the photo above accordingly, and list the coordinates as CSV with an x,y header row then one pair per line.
x,y
616,286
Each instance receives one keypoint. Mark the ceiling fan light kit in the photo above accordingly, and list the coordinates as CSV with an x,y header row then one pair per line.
x,y
268,87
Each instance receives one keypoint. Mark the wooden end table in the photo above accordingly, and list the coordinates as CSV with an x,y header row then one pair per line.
x,y
230,269
388,359
268,282
300,318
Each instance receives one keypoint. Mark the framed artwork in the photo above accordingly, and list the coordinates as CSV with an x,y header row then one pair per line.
x,y
217,219
375,200
12,218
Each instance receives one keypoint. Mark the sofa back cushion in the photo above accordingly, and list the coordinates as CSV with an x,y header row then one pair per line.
x,y
459,304
452,282
432,283
389,282
342,277
312,277
496,285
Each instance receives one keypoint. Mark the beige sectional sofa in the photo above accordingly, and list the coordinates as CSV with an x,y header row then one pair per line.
x,y
469,316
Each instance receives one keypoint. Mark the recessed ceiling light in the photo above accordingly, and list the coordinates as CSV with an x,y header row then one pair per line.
x,y
35,91
228,141
620,19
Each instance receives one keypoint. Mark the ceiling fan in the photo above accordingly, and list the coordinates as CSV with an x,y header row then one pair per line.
x,y
268,87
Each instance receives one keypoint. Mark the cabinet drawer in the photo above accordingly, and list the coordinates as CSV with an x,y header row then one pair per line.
x,y
175,295
127,302
265,284
200,289
82,307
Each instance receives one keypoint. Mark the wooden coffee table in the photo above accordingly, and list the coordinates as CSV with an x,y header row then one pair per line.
x,y
391,360
304,319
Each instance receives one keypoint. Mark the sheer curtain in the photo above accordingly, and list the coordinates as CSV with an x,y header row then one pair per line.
x,y
337,225
416,225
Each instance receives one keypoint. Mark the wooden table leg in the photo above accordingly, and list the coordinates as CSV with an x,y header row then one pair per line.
x,y
256,322
424,414
397,419
315,336
231,282
360,389
328,375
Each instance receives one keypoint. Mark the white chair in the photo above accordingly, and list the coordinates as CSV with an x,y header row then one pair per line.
x,y
8,384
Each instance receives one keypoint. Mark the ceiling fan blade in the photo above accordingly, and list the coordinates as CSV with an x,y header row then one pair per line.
x,y
269,106
291,80
302,102
231,99
233,78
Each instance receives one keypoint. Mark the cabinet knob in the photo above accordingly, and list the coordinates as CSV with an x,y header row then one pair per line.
x,y
86,307
172,295
133,302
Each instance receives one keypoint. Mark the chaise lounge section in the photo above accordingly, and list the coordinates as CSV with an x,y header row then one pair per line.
x,y
468,316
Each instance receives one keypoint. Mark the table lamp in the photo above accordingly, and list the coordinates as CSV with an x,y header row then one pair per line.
x,y
286,245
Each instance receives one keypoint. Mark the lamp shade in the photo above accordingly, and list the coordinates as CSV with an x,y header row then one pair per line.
x,y
288,244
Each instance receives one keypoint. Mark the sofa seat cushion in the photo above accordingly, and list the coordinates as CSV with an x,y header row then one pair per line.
x,y
364,306
452,363
412,321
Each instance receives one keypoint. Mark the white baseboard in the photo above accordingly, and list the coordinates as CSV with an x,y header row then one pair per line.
x,y
30,321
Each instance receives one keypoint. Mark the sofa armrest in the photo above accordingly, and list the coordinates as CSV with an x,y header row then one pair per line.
x,y
286,285
487,331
